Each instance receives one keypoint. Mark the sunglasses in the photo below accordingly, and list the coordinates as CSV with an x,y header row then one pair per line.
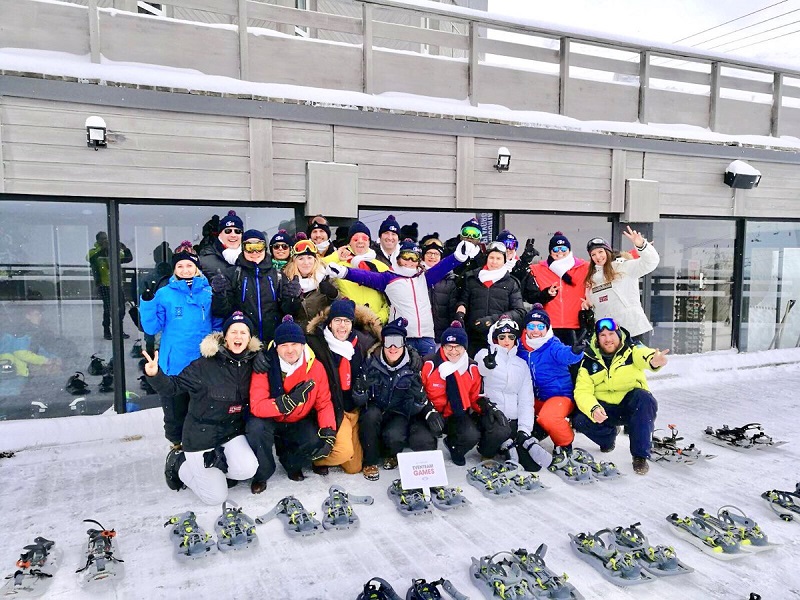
x,y
559,249
472,233
506,336
360,237
254,246
280,246
303,247
535,326
230,230
606,324
412,256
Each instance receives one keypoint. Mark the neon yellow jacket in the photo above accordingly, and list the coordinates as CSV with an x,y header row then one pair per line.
x,y
596,382
359,294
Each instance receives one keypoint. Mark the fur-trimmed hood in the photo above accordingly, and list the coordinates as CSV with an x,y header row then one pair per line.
x,y
366,321
214,341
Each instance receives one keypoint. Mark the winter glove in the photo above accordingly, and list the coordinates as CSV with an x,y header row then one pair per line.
x,y
336,271
433,419
291,288
530,252
460,318
482,325
490,360
287,402
327,287
509,447
586,319
220,284
149,291
466,250
492,414
538,454
327,438
521,438
216,459
418,390
261,362
579,346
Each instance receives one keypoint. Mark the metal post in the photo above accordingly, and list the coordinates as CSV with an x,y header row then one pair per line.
x,y
737,287
117,346
366,47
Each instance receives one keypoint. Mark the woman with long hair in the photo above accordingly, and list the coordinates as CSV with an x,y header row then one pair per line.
x,y
316,291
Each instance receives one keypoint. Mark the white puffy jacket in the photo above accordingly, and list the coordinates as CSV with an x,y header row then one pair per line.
x,y
620,299
509,385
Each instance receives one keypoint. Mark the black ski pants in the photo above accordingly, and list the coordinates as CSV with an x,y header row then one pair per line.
x,y
295,443
385,434
175,410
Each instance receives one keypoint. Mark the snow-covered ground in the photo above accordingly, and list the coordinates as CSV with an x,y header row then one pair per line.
x,y
109,468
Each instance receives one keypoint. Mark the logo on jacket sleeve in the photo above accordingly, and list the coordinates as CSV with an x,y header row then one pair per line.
x,y
594,368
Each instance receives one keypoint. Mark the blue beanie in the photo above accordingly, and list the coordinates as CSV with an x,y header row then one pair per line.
x,y
558,239
230,220
455,334
410,246
390,224
358,227
343,307
538,313
508,239
254,234
396,327
281,236
289,332
237,317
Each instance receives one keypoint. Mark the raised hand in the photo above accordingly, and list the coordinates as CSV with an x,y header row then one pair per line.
x,y
636,238
490,360
149,291
336,271
291,288
659,359
220,283
151,364
553,290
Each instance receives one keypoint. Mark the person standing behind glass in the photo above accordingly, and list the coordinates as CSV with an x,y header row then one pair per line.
x,y
613,284
220,255
181,312
101,273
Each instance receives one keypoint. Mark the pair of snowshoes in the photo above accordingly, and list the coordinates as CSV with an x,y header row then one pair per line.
x,y
410,503
190,540
571,471
784,504
667,451
657,560
297,521
747,437
503,480
602,470
424,590
545,583
337,510
750,536
616,565
519,575
76,385
448,498
103,561
34,570
235,530
699,533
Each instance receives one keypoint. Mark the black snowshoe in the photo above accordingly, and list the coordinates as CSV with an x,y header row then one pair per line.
x,y
76,385
423,590
106,384
667,450
102,556
747,437
97,366
784,504
378,589
136,349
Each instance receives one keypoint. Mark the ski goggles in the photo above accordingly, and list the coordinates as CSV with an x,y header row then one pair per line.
x,y
230,230
394,341
254,246
359,237
606,324
535,326
304,247
559,249
506,336
412,256
472,233
511,244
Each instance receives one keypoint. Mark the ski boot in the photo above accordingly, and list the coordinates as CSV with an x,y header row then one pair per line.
x,y
235,530
784,504
658,560
191,542
102,556
378,589
620,568
546,584
297,521
422,590
337,510
723,546
410,503
35,569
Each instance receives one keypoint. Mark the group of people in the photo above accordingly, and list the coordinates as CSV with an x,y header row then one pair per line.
x,y
324,355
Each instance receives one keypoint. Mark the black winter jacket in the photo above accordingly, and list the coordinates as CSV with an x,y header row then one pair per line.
x,y
212,261
486,304
218,384
444,296
397,391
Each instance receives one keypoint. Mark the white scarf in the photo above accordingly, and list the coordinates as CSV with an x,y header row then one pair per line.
x,y
537,343
231,254
344,348
359,258
393,256
322,246
308,284
562,265
288,369
510,264
447,368
406,271
485,275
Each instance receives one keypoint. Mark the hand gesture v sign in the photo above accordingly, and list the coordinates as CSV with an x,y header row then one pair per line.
x,y
151,366
659,359
636,238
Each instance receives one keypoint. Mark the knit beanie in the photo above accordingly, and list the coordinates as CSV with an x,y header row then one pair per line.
x,y
230,220
598,242
237,317
505,324
508,239
254,234
289,332
409,232
473,222
396,327
455,334
323,226
558,239
184,252
359,227
342,308
281,237
538,313
408,245
390,224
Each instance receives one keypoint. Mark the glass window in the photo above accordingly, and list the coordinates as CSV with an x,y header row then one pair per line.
x,y
691,299
771,286
51,308
579,229
446,224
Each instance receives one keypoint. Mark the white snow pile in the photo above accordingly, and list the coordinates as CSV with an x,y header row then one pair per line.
x,y
110,468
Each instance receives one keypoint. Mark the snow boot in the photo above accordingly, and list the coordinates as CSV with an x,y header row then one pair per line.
x,y
640,466
371,472
175,459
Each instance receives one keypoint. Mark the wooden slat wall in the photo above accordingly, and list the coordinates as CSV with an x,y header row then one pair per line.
x,y
677,107
425,75
26,25
152,154
600,101
518,90
293,144
543,177
778,194
400,169
743,118
690,185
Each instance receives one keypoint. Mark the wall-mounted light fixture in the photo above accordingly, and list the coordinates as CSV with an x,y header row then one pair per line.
x,y
96,132
741,175
503,159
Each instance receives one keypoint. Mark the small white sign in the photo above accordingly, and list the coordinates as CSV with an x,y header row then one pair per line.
x,y
422,469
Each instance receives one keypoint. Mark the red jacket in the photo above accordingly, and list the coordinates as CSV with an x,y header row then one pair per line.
x,y
564,308
262,403
469,386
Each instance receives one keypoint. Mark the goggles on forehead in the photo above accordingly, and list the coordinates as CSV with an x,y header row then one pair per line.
x,y
304,247
535,326
559,249
472,233
230,230
412,256
434,242
606,324
393,341
254,246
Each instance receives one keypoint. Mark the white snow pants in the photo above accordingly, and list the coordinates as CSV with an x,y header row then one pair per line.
x,y
210,484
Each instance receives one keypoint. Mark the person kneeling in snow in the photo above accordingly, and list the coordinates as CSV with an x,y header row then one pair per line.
x,y
291,408
611,390
218,384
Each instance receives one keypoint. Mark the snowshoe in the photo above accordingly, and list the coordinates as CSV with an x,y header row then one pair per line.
x,y
423,590
297,521
191,541
657,560
546,583
448,498
746,530
666,450
410,503
35,568
492,478
570,471
76,385
235,530
601,470
784,504
500,576
723,546
747,437
620,568
106,384
378,589
102,556
97,366
337,512
136,349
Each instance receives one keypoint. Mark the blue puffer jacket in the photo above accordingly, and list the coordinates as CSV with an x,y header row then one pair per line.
x,y
549,367
183,316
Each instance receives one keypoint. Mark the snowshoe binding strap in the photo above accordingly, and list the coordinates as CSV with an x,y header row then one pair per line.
x,y
783,503
423,590
191,540
234,528
502,576
446,498
378,589
717,542
337,508
100,546
619,564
